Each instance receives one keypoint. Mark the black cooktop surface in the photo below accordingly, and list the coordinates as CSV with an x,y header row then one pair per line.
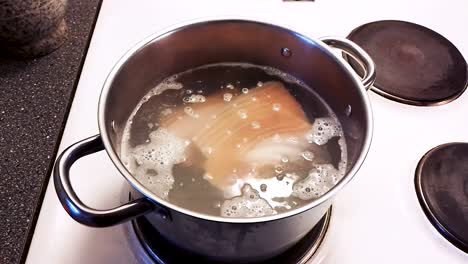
x,y
442,187
415,65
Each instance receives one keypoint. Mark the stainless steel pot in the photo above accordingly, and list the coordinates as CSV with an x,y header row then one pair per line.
x,y
191,45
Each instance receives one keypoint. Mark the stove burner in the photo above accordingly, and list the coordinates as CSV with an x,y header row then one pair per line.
x,y
415,65
162,252
442,188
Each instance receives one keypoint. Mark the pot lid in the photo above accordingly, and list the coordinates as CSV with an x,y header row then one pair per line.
x,y
414,64
442,188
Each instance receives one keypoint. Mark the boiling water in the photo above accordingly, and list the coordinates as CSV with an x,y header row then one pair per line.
x,y
171,142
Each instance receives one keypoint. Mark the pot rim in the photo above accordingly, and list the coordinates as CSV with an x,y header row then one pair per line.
x,y
179,26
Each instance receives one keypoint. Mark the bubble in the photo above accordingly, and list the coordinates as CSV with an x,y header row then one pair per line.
x,y
284,159
280,177
293,140
307,155
245,90
145,99
207,177
208,150
227,97
259,84
276,107
263,187
276,138
194,99
242,113
189,111
348,110
229,86
279,169
255,125
188,91
248,204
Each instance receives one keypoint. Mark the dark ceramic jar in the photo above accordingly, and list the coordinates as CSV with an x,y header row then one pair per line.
x,y
31,28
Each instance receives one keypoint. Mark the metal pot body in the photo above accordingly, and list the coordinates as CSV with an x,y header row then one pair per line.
x,y
236,242
195,44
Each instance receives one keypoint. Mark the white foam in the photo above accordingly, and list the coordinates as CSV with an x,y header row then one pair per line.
x,y
249,204
152,163
320,179
166,84
343,163
323,129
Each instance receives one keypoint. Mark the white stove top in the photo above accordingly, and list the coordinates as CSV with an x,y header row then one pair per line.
x,y
376,219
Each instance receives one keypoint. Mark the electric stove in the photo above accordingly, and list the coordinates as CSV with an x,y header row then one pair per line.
x,y
382,216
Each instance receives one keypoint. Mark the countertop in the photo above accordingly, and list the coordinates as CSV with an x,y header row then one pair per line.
x,y
35,96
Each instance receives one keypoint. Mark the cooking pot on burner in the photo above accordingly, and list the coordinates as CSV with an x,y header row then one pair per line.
x,y
195,44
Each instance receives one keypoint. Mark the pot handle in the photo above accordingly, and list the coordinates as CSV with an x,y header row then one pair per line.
x,y
357,53
74,206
